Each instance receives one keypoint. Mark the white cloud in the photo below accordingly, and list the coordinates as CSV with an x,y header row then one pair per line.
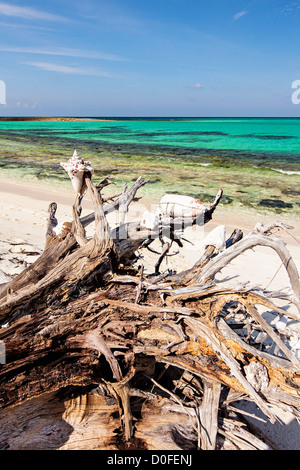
x,y
28,13
23,26
50,67
63,52
239,15
25,105
197,85
290,7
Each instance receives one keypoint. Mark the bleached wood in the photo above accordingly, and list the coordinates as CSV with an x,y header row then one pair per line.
x,y
156,351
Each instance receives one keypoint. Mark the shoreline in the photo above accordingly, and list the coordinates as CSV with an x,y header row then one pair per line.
x,y
24,217
24,213
238,217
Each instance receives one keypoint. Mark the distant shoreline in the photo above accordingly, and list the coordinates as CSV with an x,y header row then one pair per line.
x,y
49,118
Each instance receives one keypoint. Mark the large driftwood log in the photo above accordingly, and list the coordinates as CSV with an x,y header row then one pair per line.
x,y
118,359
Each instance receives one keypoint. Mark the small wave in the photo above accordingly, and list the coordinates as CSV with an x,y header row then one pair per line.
x,y
286,172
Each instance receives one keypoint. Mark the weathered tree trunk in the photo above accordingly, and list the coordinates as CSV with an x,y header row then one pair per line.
x,y
113,357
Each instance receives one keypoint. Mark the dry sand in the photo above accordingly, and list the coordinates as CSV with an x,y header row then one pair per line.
x,y
23,216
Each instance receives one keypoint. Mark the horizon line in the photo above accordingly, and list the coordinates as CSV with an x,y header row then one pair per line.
x,y
146,117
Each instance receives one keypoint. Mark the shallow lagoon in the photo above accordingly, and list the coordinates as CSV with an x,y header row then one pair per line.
x,y
255,161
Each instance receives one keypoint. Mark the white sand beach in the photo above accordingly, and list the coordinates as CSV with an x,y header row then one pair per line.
x,y
23,215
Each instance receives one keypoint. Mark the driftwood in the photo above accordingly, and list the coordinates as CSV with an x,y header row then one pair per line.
x,y
100,355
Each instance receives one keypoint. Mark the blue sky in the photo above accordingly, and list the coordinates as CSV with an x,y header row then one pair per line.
x,y
149,58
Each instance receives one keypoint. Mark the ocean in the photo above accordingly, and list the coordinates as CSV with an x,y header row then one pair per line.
x,y
256,161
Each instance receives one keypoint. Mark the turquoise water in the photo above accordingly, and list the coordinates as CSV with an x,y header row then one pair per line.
x,y
256,161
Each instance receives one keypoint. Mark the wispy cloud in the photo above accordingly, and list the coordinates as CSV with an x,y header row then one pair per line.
x,y
14,25
20,104
196,86
67,52
66,69
28,13
239,15
291,7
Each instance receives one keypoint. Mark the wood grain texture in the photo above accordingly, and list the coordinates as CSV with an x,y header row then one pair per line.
x,y
101,356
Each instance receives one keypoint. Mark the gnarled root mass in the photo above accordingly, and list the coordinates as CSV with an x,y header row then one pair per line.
x,y
99,355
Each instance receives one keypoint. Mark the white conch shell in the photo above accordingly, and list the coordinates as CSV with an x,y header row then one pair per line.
x,y
216,238
62,229
175,205
75,167
77,180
